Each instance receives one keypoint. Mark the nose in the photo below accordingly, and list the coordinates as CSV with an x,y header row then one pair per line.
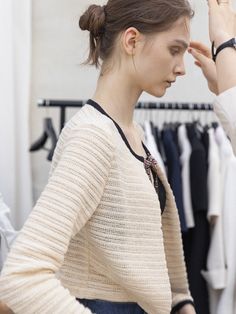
x,y
180,69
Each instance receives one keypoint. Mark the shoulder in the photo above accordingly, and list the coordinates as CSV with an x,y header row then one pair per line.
x,y
89,132
90,124
91,119
85,140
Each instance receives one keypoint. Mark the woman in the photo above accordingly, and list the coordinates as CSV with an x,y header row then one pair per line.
x,y
221,75
104,236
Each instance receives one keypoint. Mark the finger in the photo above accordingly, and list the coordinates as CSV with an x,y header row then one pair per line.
x,y
207,54
212,3
199,57
198,44
198,64
201,47
225,4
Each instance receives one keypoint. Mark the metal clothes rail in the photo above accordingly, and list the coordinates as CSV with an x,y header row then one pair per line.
x,y
64,104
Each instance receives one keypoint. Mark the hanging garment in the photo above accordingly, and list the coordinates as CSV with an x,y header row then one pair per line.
x,y
185,148
215,275
156,135
225,109
7,232
174,173
227,298
205,142
214,177
196,241
151,145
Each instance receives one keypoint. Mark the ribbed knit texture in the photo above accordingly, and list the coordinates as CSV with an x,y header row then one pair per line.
x,y
96,232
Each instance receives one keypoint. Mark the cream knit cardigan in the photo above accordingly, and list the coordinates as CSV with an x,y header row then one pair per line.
x,y
97,231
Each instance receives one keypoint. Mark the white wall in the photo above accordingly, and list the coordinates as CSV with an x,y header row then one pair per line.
x,y
58,49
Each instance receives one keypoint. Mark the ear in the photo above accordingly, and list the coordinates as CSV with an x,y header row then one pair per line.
x,y
129,40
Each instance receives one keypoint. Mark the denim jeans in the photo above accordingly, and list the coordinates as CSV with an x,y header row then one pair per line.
x,y
108,307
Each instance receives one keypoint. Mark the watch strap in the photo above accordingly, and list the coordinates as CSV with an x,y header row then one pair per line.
x,y
229,43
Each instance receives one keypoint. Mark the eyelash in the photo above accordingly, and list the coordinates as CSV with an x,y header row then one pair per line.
x,y
174,51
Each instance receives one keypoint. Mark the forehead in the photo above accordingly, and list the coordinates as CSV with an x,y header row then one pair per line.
x,y
180,30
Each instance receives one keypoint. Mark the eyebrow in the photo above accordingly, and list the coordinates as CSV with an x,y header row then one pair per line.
x,y
181,42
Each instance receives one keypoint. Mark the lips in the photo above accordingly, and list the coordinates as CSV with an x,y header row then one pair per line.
x,y
169,83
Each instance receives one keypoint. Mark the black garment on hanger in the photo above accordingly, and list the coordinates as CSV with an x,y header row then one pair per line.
x,y
174,172
205,142
196,240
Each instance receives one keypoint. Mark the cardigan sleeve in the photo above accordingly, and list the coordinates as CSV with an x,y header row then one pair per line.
x,y
28,283
225,109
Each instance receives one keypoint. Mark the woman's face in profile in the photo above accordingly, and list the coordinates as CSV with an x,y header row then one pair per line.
x,y
161,59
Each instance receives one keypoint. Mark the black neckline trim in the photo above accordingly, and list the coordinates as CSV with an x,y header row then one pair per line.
x,y
101,110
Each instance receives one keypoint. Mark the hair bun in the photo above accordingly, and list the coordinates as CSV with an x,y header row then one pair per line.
x,y
93,19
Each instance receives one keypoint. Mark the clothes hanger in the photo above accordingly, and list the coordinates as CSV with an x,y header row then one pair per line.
x,y
48,134
215,125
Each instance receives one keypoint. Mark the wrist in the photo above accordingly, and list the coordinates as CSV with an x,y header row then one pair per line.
x,y
219,40
231,43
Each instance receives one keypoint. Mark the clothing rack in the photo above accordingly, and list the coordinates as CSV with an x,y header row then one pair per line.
x,y
63,104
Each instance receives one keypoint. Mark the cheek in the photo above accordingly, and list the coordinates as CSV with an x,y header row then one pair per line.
x,y
150,68
166,63
160,63
153,68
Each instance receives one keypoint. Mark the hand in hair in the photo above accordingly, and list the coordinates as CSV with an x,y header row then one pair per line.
x,y
203,59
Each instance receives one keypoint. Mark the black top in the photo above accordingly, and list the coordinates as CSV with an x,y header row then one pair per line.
x,y
157,182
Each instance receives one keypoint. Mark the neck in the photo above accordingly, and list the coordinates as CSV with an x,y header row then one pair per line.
x,y
117,94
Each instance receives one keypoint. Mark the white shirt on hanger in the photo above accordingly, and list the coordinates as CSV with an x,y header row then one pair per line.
x,y
7,232
152,146
227,302
214,177
216,263
186,150
226,299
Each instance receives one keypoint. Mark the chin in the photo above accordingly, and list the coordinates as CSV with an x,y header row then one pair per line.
x,y
157,93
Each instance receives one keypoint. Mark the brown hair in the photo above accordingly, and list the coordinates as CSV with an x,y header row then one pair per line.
x,y
105,23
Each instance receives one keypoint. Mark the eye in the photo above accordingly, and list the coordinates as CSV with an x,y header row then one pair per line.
x,y
175,51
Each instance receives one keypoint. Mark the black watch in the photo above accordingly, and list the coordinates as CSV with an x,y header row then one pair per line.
x,y
230,43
